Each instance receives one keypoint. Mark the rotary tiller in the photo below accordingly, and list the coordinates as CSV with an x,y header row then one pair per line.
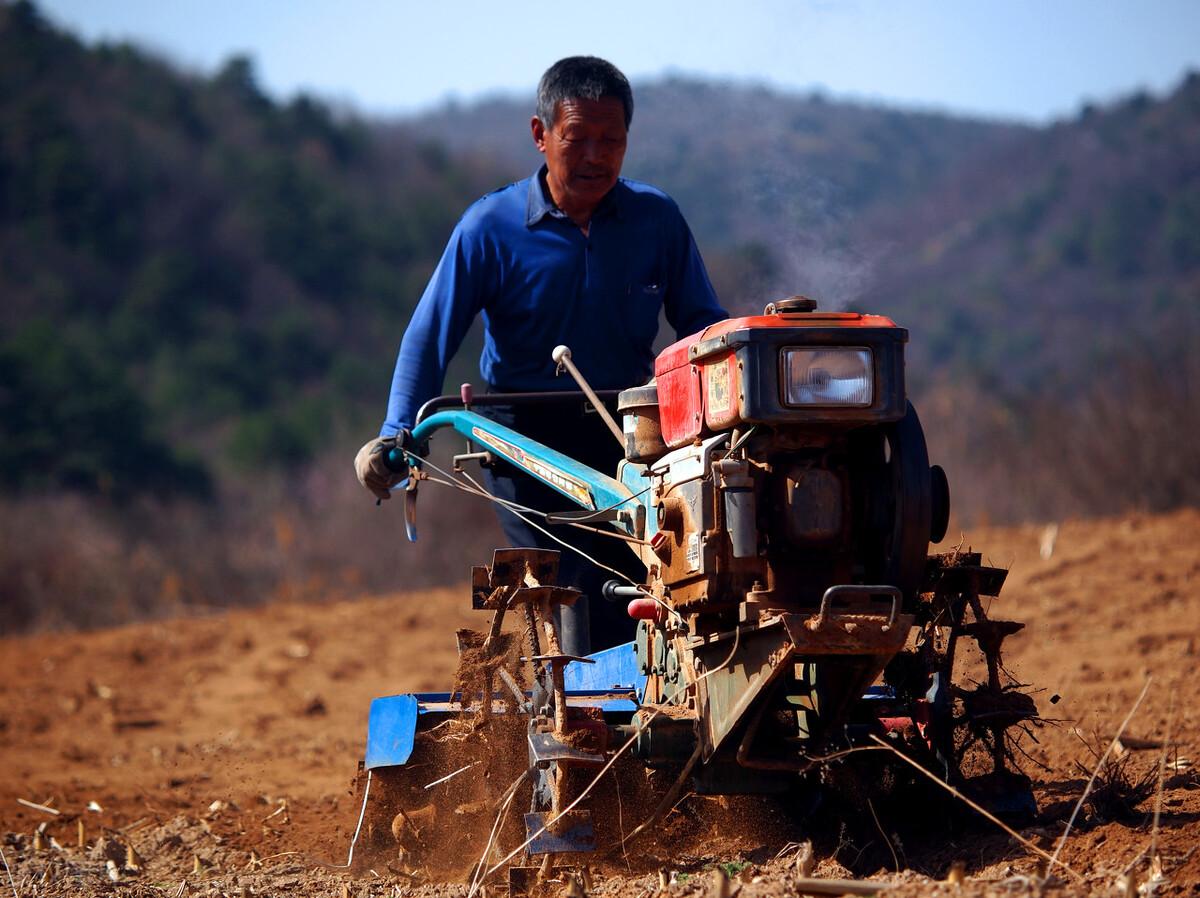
x,y
777,489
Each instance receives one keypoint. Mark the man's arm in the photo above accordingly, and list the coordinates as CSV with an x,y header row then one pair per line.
x,y
449,304
691,303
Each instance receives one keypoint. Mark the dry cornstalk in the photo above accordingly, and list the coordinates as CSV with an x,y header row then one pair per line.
x,y
574,887
720,883
839,886
282,809
45,809
957,874
450,776
805,859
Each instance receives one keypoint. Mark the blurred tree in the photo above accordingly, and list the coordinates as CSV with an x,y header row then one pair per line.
x,y
72,421
205,252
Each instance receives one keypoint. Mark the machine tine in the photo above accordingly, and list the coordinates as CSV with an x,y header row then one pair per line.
x,y
573,831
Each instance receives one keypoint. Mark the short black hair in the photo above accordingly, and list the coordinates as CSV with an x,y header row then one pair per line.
x,y
581,78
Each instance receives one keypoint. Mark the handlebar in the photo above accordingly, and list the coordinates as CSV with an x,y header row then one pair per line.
x,y
444,402
395,460
615,591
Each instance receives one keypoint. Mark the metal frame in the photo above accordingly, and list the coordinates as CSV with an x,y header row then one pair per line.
x,y
581,484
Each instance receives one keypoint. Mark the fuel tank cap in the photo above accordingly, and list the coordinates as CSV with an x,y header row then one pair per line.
x,y
790,305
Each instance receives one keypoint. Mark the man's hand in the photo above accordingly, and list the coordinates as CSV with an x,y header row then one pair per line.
x,y
372,469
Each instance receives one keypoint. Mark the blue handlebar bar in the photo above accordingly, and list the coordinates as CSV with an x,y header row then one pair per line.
x,y
585,486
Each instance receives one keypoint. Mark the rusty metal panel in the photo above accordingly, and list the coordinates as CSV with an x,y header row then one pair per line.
x,y
728,693
730,690
510,566
847,634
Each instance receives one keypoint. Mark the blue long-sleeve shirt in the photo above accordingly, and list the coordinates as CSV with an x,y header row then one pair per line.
x,y
539,281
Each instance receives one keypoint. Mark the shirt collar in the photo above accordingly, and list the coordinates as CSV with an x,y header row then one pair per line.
x,y
540,204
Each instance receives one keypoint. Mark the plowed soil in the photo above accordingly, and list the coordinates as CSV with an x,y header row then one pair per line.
x,y
216,755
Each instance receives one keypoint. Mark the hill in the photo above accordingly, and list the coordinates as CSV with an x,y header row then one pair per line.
x,y
1090,227
194,276
1052,286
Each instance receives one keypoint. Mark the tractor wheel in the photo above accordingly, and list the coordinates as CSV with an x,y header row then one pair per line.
x,y
899,499
908,544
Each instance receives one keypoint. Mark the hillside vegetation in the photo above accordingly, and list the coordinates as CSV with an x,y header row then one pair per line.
x,y
203,289
1081,236
1053,290
194,275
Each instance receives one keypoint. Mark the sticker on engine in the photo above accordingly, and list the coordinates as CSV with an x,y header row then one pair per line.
x,y
716,378
561,480
693,551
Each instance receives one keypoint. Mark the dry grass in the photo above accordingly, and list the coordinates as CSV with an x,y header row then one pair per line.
x,y
1120,785
1127,439
73,562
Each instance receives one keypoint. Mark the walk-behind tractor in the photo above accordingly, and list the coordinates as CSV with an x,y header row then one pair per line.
x,y
777,488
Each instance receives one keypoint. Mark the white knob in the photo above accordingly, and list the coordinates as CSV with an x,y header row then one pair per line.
x,y
560,353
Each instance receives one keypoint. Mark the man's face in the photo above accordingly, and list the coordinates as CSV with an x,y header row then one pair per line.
x,y
584,151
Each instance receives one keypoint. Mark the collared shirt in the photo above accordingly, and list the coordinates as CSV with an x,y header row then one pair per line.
x,y
539,282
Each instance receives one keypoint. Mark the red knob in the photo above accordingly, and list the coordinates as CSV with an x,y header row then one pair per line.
x,y
646,609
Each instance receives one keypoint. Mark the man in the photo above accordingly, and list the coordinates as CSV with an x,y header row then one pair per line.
x,y
573,255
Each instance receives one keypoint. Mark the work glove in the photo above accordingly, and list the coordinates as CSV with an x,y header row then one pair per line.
x,y
371,465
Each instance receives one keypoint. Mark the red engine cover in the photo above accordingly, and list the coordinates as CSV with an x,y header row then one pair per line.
x,y
701,396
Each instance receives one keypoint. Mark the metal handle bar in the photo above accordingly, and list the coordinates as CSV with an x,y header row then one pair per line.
x,y
548,396
614,591
837,592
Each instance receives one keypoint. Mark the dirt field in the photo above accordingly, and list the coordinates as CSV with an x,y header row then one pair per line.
x,y
219,752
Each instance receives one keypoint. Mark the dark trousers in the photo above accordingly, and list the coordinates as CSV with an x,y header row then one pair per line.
x,y
573,428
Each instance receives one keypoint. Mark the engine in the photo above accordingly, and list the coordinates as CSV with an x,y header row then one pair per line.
x,y
778,455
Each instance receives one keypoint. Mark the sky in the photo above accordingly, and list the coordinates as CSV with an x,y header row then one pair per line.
x,y
1021,59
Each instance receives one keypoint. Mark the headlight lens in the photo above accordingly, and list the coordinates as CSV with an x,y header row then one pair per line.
x,y
841,376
